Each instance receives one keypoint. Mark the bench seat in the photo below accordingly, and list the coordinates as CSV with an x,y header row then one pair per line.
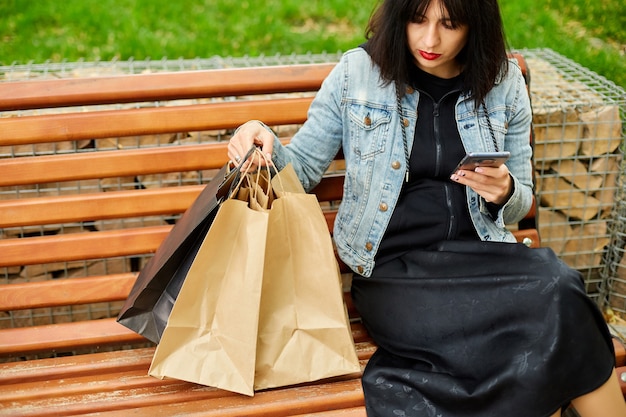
x,y
78,199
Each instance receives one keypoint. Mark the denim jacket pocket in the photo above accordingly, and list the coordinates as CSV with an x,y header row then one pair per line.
x,y
369,129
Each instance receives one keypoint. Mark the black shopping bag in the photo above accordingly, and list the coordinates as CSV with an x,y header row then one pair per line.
x,y
151,299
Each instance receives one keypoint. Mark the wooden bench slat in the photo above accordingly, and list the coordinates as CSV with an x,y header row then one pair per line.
x,y
81,385
66,291
81,246
162,86
69,384
145,121
122,378
118,402
106,164
98,365
98,206
65,337
93,364
107,205
174,397
311,398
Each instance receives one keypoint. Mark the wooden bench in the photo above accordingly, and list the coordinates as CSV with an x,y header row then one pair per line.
x,y
72,193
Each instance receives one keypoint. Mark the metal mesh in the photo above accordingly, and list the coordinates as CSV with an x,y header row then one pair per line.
x,y
579,132
86,68
578,151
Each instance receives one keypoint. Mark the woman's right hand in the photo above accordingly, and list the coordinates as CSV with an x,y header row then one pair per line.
x,y
251,133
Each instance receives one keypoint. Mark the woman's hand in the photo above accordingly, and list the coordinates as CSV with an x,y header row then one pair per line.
x,y
251,133
493,184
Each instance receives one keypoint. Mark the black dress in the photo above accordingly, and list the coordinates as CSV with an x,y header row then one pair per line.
x,y
464,327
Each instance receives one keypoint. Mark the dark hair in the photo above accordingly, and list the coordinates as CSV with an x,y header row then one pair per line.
x,y
483,58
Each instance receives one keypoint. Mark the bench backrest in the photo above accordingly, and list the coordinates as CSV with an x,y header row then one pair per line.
x,y
94,172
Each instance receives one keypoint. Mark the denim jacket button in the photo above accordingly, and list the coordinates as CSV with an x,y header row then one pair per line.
x,y
368,121
369,246
405,122
409,89
360,269
383,207
396,165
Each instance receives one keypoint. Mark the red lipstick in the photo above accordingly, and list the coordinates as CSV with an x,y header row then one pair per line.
x,y
429,56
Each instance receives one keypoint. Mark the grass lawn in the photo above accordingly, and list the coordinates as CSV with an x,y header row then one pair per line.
x,y
592,33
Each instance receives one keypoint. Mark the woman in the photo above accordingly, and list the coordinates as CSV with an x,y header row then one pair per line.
x,y
467,322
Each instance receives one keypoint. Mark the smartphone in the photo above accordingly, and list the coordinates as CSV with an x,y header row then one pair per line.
x,y
482,159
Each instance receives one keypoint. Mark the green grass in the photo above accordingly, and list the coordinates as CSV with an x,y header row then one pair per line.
x,y
592,33
589,32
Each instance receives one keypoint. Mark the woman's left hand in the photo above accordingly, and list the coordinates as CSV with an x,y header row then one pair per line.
x,y
493,184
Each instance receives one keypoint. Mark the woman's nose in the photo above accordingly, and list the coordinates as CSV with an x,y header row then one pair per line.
x,y
431,36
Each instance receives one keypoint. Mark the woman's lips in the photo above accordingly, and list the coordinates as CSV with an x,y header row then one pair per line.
x,y
429,56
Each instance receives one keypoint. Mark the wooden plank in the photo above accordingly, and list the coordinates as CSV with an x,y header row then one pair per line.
x,y
66,291
97,206
134,122
98,365
153,393
330,188
148,396
66,337
288,401
114,204
107,164
36,94
81,246
59,368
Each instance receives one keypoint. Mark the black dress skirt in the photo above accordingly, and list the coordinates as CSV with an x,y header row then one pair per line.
x,y
480,329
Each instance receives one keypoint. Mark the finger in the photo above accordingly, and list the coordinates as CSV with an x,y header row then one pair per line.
x,y
235,153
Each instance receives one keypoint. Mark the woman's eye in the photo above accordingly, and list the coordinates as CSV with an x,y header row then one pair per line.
x,y
447,24
418,19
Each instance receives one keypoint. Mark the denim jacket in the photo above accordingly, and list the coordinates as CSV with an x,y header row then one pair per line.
x,y
356,112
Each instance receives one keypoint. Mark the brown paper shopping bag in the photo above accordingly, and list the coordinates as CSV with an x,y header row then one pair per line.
x,y
304,333
211,334
241,320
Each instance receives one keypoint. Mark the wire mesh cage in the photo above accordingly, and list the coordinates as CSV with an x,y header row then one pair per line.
x,y
578,156
577,118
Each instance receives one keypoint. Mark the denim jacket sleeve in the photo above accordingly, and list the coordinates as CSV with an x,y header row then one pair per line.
x,y
318,141
517,141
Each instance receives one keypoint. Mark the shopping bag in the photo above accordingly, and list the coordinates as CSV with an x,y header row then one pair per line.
x,y
150,301
227,328
211,334
304,333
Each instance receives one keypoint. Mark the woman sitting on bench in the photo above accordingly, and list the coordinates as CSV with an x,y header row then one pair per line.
x,y
467,322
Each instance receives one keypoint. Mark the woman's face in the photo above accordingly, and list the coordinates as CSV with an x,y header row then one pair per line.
x,y
435,42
